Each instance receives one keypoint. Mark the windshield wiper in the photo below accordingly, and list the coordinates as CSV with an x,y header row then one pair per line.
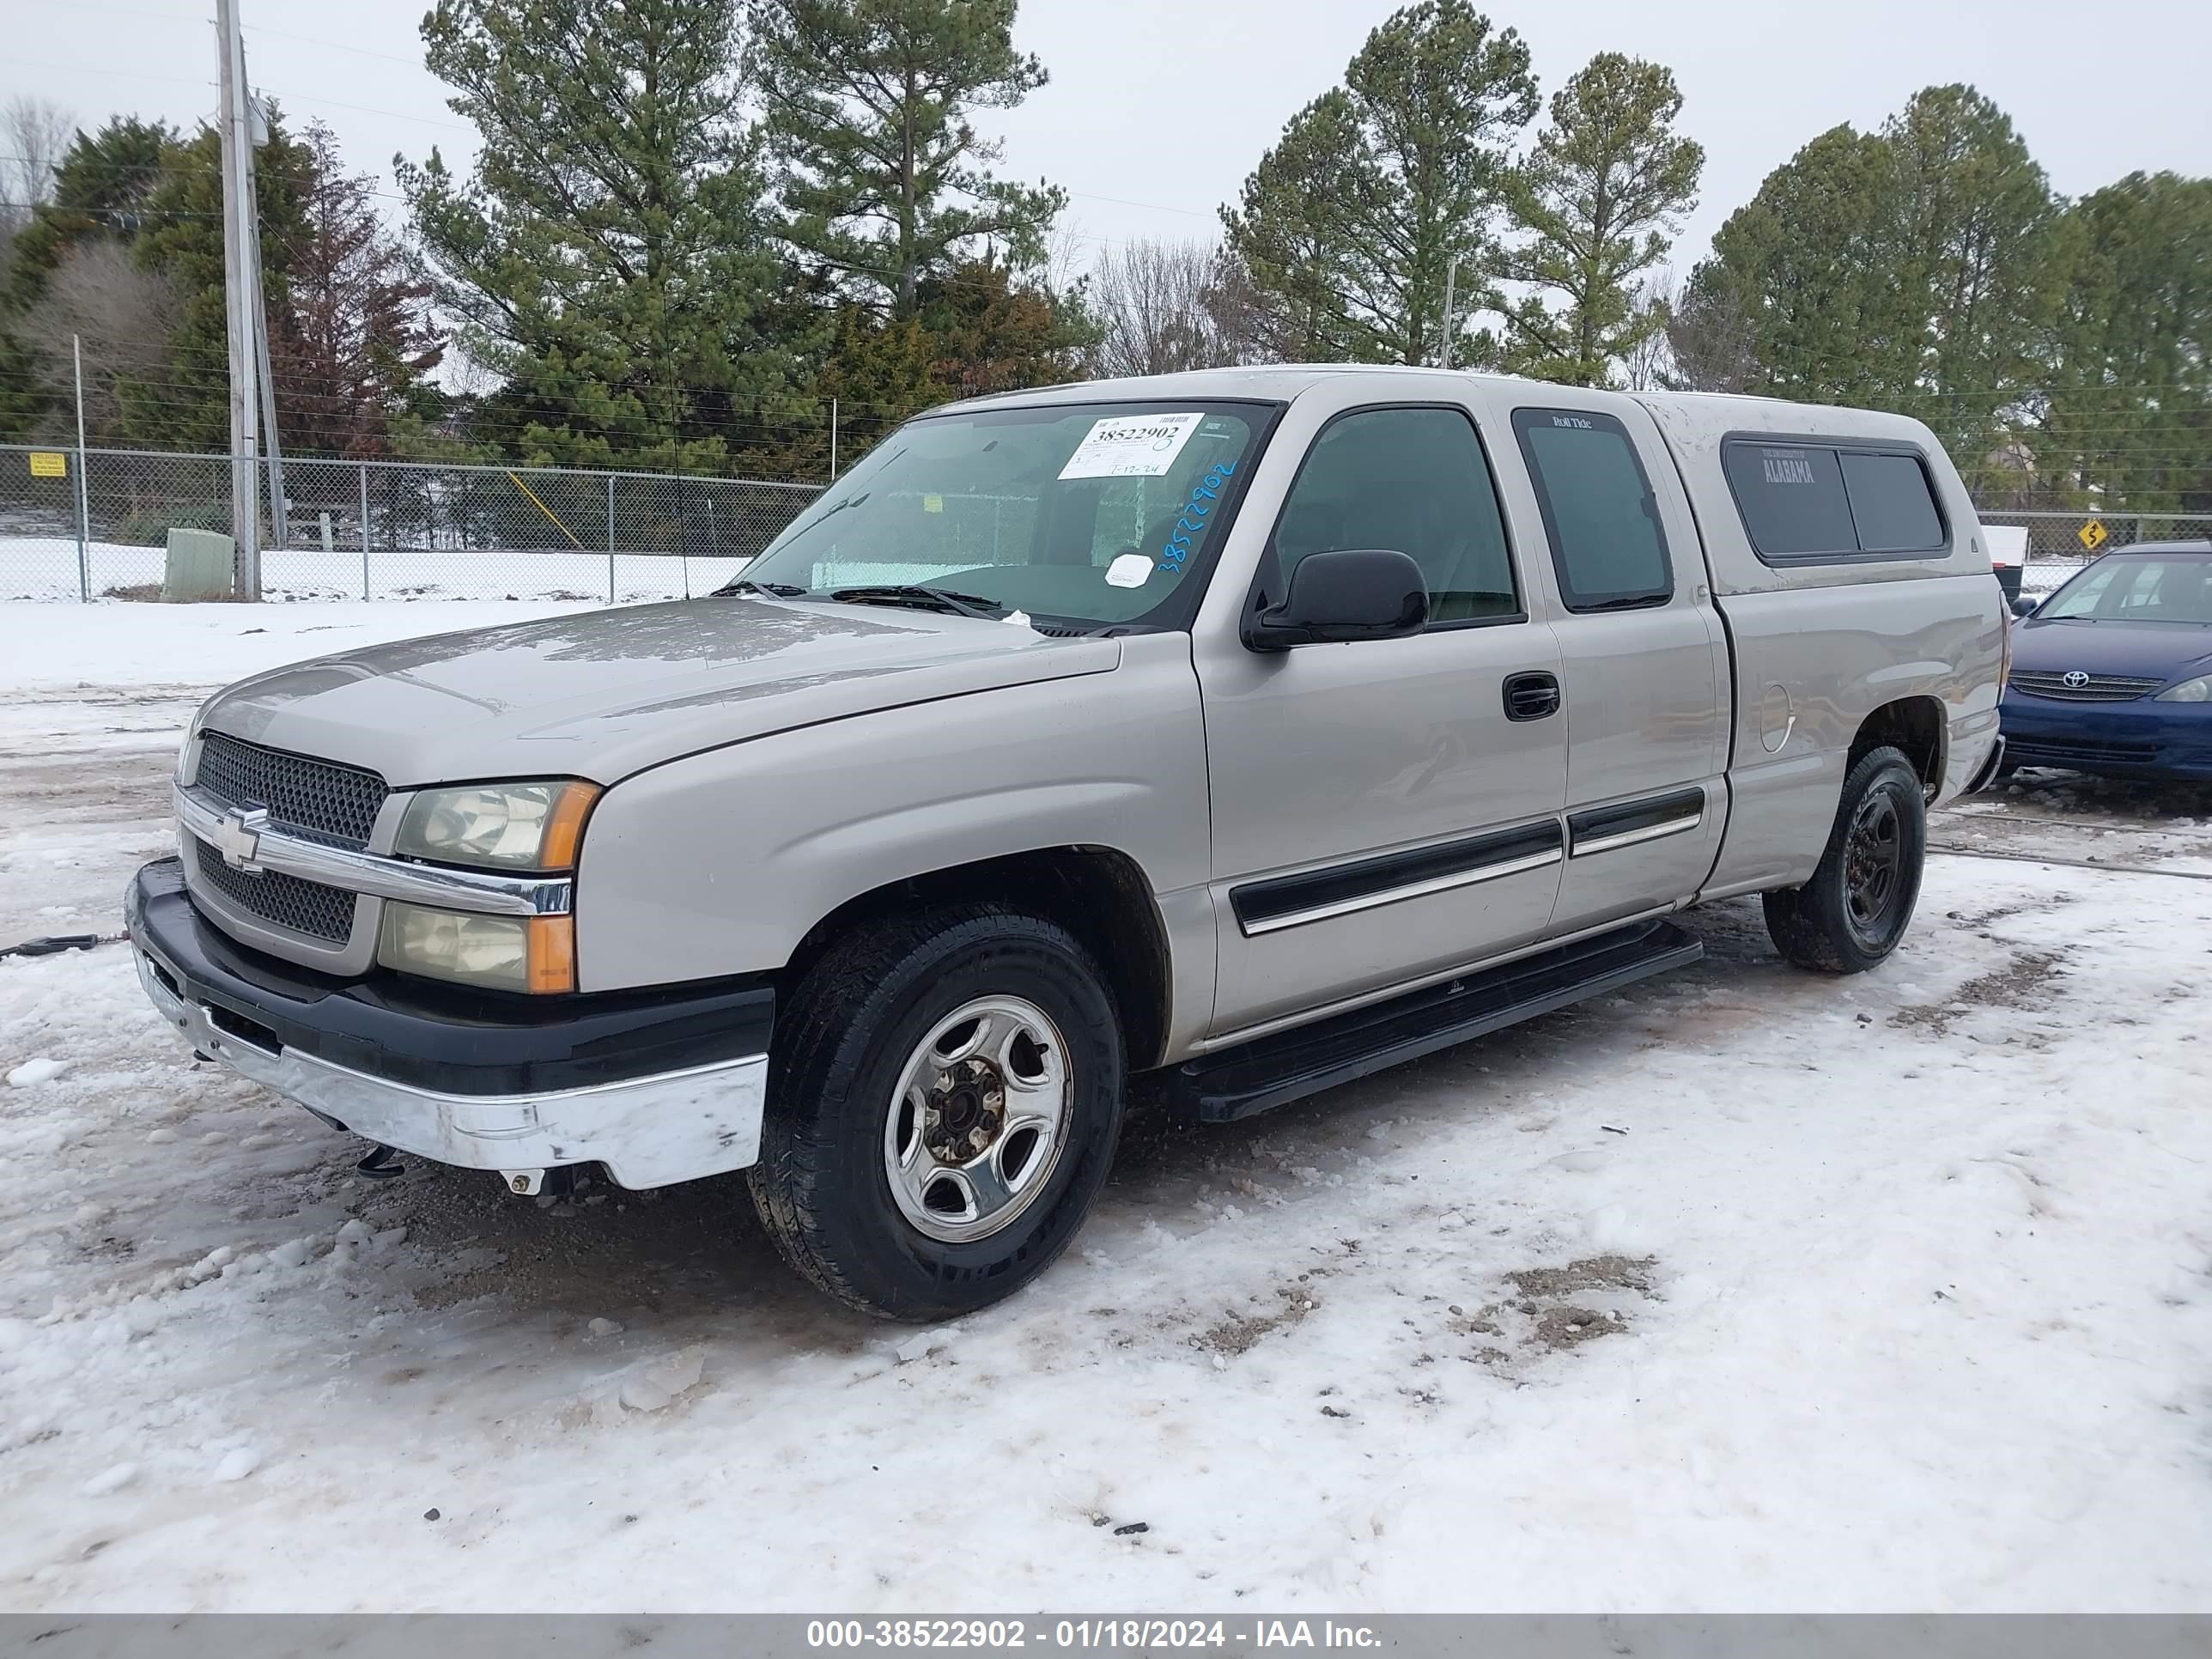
x,y
925,598
745,585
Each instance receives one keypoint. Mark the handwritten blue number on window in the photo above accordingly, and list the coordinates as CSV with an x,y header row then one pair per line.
x,y
1203,495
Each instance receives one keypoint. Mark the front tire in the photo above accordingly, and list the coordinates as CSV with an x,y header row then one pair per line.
x,y
944,1093
1853,912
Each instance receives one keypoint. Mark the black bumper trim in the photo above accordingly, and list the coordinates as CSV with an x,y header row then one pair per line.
x,y
445,1037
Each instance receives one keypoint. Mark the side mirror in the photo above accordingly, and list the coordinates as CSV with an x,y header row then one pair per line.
x,y
1349,593
2024,606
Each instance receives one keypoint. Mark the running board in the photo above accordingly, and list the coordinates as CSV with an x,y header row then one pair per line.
x,y
1272,1071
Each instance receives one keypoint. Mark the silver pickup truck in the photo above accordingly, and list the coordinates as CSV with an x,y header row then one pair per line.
x,y
1255,729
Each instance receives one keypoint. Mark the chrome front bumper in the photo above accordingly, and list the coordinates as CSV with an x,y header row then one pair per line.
x,y
649,1132
697,1112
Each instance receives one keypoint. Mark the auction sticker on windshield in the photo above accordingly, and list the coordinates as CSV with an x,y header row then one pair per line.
x,y
1131,445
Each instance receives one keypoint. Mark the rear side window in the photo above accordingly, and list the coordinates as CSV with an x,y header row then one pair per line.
x,y
1598,509
1826,501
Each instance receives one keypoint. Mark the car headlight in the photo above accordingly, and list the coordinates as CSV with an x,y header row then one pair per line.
x,y
536,954
2197,690
498,826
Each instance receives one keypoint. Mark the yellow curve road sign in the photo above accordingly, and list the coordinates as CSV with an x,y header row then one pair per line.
x,y
2093,535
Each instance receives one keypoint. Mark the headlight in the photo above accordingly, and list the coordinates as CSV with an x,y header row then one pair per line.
x,y
2197,690
505,953
501,826
191,737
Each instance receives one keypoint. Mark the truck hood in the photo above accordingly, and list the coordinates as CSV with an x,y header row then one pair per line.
x,y
2134,650
602,694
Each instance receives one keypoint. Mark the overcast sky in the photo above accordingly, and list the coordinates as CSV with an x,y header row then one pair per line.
x,y
1159,108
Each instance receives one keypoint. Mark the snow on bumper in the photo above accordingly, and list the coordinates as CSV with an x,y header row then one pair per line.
x,y
652,1129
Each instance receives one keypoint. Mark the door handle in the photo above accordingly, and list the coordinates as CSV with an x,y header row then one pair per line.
x,y
1531,696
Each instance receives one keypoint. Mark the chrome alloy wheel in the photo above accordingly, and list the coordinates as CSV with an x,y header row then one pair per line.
x,y
978,1119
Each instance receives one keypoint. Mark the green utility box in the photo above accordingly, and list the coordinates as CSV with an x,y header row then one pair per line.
x,y
199,567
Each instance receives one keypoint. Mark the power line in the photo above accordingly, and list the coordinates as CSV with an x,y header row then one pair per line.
x,y
335,46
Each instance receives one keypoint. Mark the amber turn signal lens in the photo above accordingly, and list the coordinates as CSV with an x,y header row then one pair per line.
x,y
564,825
552,954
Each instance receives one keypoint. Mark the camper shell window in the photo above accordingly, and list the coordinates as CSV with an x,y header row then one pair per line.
x,y
1826,501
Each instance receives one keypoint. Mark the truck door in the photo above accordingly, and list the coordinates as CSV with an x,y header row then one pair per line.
x,y
1385,808
1643,658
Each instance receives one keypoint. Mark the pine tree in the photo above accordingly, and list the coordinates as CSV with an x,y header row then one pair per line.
x,y
2127,420
1795,299
1299,241
1350,224
607,257
1974,247
884,181
1599,198
182,239
1918,269
101,189
994,334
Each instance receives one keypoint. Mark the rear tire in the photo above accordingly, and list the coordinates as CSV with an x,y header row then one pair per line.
x,y
1850,915
944,1093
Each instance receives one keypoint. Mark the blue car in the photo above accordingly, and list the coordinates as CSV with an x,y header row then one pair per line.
x,y
2113,673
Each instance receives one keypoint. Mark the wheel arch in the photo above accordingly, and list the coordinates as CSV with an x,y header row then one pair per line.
x,y
1099,894
1916,727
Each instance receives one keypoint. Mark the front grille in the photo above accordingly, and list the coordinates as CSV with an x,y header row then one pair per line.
x,y
313,797
307,907
2097,688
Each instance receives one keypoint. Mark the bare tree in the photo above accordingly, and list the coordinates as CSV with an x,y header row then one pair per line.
x,y
126,317
1648,362
34,136
1156,301
1709,336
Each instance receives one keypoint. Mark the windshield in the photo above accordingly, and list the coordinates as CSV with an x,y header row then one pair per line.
x,y
1093,514
2142,587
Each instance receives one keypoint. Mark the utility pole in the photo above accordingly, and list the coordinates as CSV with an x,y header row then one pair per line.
x,y
833,440
258,313
84,485
238,213
1451,280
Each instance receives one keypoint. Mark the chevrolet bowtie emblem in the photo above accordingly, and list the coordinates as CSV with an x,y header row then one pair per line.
x,y
238,837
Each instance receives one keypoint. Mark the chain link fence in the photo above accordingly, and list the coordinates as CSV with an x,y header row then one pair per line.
x,y
2058,544
96,526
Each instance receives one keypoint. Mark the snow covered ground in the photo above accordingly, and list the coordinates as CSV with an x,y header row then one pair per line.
x,y
1744,1290
47,569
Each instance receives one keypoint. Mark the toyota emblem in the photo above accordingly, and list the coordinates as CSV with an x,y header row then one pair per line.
x,y
2074,680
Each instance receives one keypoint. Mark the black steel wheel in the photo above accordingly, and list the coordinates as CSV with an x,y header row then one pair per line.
x,y
1855,910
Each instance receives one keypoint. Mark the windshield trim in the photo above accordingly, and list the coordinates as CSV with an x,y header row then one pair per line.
x,y
1178,608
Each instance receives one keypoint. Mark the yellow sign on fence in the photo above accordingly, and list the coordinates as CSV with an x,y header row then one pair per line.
x,y
2093,535
49,464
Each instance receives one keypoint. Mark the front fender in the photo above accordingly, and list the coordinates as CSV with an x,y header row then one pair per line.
x,y
720,863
